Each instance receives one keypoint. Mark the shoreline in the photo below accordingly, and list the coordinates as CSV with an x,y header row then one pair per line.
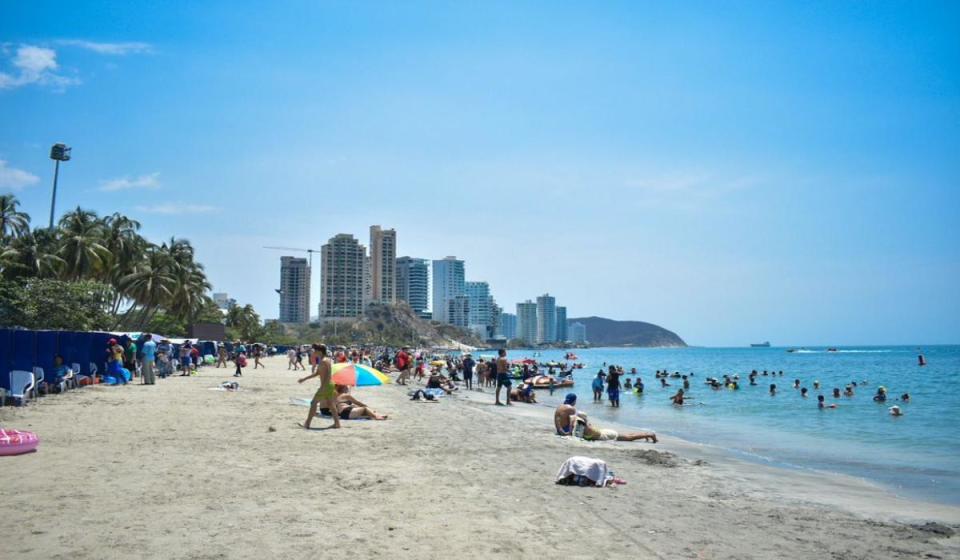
x,y
177,470
855,494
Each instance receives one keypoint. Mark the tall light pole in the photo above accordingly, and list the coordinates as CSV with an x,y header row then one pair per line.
x,y
58,153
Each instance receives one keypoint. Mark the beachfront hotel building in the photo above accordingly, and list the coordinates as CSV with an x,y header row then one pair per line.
x,y
527,322
578,333
448,283
458,312
342,278
562,324
225,302
508,325
413,284
294,290
480,303
546,319
383,260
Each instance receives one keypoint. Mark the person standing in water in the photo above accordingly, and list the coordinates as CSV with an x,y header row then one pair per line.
x,y
326,395
613,387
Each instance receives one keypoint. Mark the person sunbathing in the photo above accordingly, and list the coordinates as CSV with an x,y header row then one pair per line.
x,y
437,381
349,408
524,394
592,433
565,417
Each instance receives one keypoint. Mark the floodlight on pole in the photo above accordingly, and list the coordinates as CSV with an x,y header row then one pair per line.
x,y
58,153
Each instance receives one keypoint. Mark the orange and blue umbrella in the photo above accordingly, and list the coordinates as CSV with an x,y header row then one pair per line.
x,y
358,375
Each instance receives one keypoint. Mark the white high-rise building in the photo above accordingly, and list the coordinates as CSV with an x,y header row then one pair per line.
x,y
527,322
562,324
342,278
224,301
578,333
480,303
413,284
448,283
508,325
383,259
458,311
546,319
294,290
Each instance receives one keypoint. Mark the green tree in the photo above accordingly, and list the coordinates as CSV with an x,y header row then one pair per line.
x,y
81,245
46,303
13,222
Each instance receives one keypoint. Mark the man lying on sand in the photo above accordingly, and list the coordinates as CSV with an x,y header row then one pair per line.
x,y
565,418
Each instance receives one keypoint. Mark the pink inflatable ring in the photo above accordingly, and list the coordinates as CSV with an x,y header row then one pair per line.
x,y
15,442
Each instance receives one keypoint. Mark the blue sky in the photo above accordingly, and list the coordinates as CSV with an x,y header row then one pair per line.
x,y
735,172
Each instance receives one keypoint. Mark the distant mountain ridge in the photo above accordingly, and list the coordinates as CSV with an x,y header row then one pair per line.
x,y
608,332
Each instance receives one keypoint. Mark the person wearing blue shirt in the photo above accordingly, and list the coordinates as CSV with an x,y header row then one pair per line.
x,y
149,349
598,387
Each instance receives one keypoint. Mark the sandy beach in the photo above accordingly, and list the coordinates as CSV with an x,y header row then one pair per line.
x,y
178,470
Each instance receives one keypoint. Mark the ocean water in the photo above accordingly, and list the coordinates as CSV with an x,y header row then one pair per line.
x,y
916,455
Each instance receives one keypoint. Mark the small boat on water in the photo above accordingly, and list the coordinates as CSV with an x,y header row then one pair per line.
x,y
760,344
543,382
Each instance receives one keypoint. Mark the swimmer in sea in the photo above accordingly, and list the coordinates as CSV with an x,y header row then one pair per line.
x,y
905,397
796,383
881,395
686,382
848,391
822,405
638,386
773,389
803,392
816,384
836,393
663,382
895,411
677,399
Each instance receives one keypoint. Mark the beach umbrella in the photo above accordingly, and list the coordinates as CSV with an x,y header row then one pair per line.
x,y
358,375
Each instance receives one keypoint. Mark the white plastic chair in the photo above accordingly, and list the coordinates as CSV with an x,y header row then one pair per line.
x,y
21,384
73,380
38,377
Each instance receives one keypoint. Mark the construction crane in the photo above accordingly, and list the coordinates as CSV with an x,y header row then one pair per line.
x,y
310,251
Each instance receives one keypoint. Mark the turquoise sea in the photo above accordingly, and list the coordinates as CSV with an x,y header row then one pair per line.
x,y
916,455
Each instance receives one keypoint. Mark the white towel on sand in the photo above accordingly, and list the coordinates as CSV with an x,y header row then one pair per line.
x,y
594,469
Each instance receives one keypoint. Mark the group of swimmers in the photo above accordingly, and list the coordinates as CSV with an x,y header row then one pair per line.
x,y
611,380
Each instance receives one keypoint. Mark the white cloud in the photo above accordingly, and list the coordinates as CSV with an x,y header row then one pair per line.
x,y
148,181
118,49
15,179
34,65
171,209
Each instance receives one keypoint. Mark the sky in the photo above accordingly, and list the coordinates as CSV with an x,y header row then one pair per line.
x,y
733,171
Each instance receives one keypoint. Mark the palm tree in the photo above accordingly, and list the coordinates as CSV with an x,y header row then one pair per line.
x,y
150,285
126,247
189,292
82,249
33,254
13,223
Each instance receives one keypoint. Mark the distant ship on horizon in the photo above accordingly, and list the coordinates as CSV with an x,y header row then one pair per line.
x,y
760,344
